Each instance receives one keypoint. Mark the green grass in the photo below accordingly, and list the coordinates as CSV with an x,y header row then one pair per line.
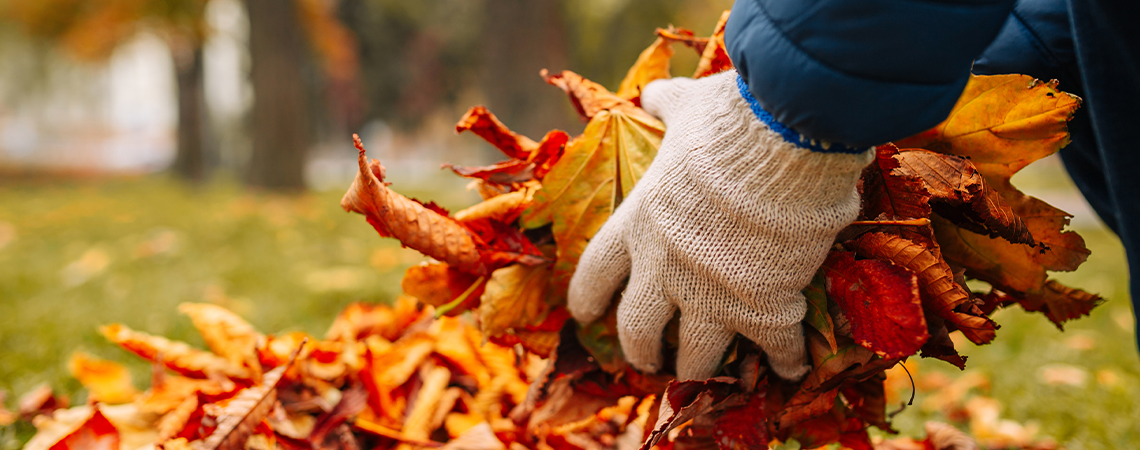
x,y
91,253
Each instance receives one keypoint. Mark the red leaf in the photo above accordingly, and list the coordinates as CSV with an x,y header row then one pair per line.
x,y
744,426
882,302
96,433
890,194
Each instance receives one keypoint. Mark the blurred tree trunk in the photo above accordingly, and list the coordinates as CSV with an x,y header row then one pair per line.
x,y
190,156
520,38
277,51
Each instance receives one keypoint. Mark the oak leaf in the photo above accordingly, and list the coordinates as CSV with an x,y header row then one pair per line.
x,y
106,381
882,302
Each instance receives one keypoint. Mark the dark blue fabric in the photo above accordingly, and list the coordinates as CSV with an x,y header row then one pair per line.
x,y
787,133
860,72
1093,48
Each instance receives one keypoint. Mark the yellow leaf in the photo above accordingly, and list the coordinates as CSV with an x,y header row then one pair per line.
x,y
106,381
652,64
597,171
1003,123
515,296
226,333
714,57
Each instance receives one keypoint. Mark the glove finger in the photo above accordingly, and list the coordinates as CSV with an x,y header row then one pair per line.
x,y
784,345
661,97
604,265
641,319
703,342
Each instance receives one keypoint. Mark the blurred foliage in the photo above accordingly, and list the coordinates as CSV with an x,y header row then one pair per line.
x,y
74,255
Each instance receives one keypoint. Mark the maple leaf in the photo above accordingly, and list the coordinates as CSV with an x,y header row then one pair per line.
x,y
475,247
176,356
597,171
238,417
882,302
106,381
941,294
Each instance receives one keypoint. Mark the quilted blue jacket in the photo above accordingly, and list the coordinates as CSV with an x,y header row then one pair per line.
x,y
864,72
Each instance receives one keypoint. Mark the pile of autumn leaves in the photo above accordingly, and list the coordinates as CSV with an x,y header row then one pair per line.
x,y
938,209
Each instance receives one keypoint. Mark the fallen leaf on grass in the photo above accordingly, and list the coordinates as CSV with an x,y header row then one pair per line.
x,y
176,356
106,381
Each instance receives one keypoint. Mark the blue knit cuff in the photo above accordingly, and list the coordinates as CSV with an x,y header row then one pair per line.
x,y
789,134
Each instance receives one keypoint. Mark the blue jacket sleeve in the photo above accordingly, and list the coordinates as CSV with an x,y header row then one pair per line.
x,y
860,72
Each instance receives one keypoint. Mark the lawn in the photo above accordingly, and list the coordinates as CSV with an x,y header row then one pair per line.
x,y
75,255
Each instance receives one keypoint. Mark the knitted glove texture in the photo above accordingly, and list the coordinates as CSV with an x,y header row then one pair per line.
x,y
728,224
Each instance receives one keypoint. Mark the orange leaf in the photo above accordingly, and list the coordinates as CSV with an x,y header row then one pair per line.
x,y
529,159
516,296
96,433
226,333
106,381
436,284
238,417
480,121
652,64
176,356
503,208
714,57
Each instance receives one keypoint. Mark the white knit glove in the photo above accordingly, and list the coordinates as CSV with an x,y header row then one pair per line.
x,y
729,224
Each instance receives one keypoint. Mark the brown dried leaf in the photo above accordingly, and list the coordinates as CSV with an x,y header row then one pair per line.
x,y
889,193
480,121
415,225
176,356
961,195
241,415
806,405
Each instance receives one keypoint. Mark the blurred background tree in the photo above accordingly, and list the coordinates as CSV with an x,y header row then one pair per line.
x,y
318,70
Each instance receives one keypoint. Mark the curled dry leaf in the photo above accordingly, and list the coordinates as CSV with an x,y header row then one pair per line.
x,y
882,302
106,381
176,356
961,195
415,225
529,159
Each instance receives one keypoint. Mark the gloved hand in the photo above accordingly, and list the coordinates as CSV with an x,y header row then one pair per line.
x,y
729,224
